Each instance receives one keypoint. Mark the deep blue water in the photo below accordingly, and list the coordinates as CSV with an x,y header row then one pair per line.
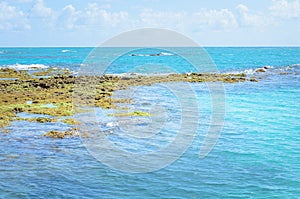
x,y
256,156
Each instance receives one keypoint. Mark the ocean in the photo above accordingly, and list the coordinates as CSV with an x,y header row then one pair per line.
x,y
256,156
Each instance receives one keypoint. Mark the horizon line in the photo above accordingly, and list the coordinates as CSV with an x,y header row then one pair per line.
x,y
67,46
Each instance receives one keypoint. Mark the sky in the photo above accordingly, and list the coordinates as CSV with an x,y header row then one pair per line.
x,y
91,22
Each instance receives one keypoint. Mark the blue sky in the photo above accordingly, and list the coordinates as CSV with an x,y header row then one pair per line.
x,y
210,23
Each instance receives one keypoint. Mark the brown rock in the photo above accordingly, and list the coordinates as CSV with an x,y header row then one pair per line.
x,y
260,70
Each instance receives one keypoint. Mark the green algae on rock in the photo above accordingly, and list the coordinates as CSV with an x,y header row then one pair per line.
x,y
62,90
52,72
39,119
12,73
66,134
70,121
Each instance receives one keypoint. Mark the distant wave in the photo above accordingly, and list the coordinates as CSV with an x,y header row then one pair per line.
x,y
293,66
153,54
166,54
257,70
26,66
252,71
66,50
267,69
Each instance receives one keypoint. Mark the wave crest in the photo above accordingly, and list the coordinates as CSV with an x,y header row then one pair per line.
x,y
266,69
26,66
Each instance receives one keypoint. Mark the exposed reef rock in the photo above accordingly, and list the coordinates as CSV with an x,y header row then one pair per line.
x,y
260,70
54,95
67,134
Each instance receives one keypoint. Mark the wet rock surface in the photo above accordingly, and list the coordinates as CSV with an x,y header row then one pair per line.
x,y
55,95
66,134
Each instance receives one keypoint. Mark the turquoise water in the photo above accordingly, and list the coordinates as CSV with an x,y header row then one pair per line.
x,y
257,155
226,59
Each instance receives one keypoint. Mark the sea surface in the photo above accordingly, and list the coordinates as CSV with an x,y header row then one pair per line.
x,y
256,156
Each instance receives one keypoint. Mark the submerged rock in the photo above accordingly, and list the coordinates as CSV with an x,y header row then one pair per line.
x,y
253,79
67,134
70,121
55,134
42,119
5,131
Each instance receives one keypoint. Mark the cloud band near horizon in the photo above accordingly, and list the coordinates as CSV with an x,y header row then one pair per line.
x,y
49,23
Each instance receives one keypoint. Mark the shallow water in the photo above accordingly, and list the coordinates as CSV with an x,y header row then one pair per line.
x,y
256,156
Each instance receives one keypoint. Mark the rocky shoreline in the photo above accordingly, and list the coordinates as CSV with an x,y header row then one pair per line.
x,y
51,92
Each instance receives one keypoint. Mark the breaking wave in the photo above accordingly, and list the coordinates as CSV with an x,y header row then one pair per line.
x,y
66,51
26,66
269,69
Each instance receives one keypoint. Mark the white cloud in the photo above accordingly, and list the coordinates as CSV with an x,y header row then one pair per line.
x,y
215,19
40,10
285,9
150,18
252,20
11,18
21,1
95,15
99,16
242,8
106,6
92,16
182,21
68,17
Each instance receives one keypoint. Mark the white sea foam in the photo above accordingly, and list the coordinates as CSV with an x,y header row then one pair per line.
x,y
294,65
290,67
252,71
26,66
112,124
166,54
66,50
249,71
268,69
